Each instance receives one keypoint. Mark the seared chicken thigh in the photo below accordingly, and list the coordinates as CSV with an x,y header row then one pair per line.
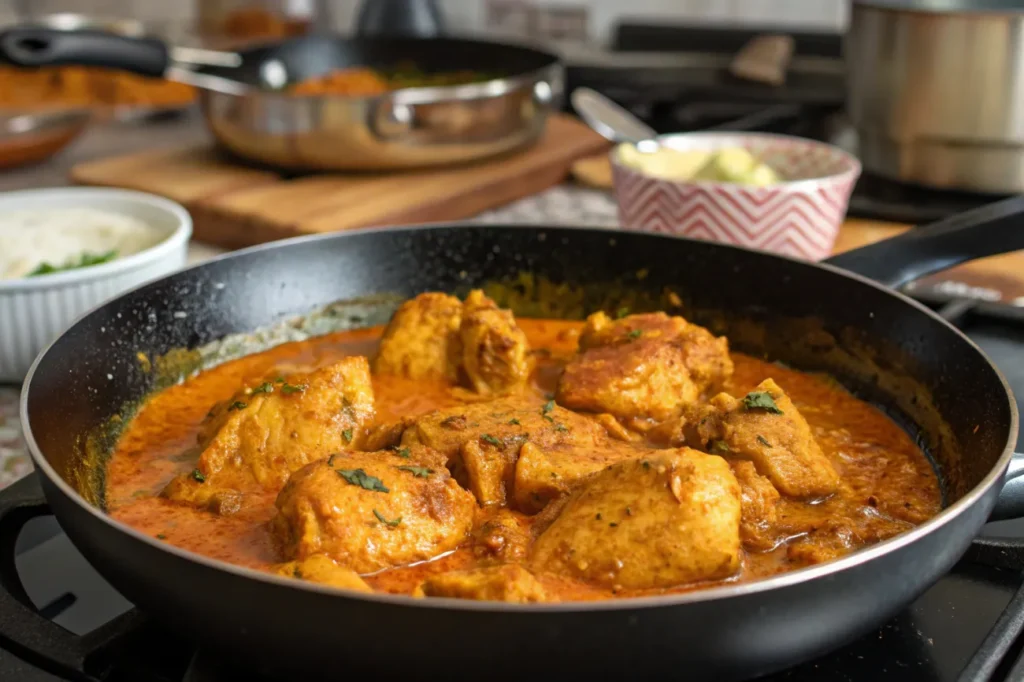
x,y
373,510
486,444
667,519
766,428
254,441
508,582
476,343
643,367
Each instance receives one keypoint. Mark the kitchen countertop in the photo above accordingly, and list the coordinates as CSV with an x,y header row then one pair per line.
x,y
562,204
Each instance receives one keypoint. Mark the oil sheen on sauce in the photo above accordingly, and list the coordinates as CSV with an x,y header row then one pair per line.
x,y
880,464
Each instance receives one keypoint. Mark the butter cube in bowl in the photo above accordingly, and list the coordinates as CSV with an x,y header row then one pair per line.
x,y
777,193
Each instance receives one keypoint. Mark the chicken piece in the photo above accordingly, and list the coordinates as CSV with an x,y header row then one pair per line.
x,y
495,353
385,436
508,583
422,339
767,429
322,569
840,535
372,510
544,475
668,519
643,367
759,513
502,536
483,442
254,441
475,343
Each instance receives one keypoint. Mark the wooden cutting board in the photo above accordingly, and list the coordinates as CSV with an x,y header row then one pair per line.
x,y
234,205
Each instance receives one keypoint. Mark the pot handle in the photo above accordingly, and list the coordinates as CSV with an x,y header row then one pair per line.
x,y
22,629
1010,504
985,231
34,47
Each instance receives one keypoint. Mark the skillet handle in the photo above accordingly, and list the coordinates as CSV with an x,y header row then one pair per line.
x,y
34,47
22,629
985,231
1010,504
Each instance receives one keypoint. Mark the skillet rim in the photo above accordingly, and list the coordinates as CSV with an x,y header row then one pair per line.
x,y
721,592
424,94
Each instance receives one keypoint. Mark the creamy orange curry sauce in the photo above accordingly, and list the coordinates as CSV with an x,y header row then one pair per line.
x,y
459,452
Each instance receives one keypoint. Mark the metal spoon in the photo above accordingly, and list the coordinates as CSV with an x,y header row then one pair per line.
x,y
612,122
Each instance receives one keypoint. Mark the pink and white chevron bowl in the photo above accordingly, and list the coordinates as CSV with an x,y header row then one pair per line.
x,y
799,218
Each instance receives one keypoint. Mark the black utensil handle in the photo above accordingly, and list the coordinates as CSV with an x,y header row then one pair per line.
x,y
23,630
31,47
978,233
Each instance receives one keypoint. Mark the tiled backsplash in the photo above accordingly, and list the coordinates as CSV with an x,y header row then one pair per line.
x,y
544,18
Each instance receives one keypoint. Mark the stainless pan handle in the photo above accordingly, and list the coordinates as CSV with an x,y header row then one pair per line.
x,y
1010,504
35,47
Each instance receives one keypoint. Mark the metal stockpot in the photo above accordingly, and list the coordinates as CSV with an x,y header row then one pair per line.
x,y
936,91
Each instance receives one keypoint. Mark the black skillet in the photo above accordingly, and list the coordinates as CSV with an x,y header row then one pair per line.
x,y
890,349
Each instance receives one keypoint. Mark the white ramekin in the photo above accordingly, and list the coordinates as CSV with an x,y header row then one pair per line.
x,y
35,310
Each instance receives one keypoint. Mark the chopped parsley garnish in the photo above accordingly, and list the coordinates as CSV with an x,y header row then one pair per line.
x,y
763,441
198,475
545,411
347,435
629,512
279,380
363,480
647,465
418,472
635,334
238,405
161,536
488,438
761,400
513,422
385,521
561,428
402,452
622,312
293,388
613,524
84,260
265,387
720,447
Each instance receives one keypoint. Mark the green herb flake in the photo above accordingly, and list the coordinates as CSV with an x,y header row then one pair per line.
x,y
265,387
761,400
279,380
647,465
561,428
513,422
363,480
488,438
622,312
84,260
720,447
597,516
629,512
613,524
161,536
418,472
635,334
763,441
198,475
347,435
403,452
238,405
383,519
288,389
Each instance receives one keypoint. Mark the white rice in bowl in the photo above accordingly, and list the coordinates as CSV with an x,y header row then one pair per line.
x,y
37,242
